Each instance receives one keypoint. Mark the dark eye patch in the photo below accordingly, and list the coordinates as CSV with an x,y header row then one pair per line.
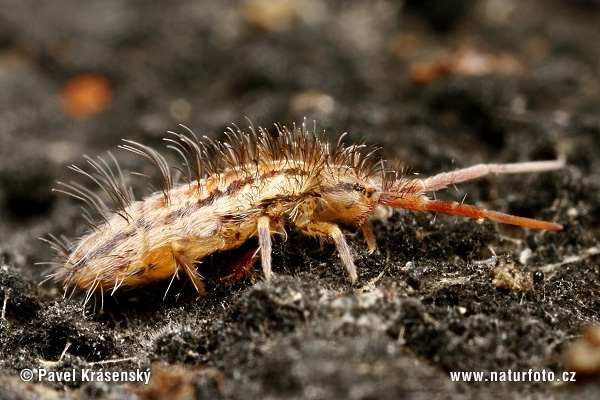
x,y
359,188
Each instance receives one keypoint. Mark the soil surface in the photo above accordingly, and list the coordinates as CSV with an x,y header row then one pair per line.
x,y
438,85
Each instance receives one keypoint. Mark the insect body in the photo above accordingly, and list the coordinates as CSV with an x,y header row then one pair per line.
x,y
251,185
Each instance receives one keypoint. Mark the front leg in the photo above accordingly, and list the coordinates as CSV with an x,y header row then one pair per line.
x,y
264,241
367,230
329,229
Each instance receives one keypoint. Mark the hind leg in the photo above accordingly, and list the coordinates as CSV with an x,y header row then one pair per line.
x,y
243,266
187,265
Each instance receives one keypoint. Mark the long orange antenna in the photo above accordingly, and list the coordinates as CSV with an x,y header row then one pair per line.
x,y
423,203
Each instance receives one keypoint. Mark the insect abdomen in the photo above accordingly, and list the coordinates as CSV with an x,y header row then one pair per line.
x,y
158,236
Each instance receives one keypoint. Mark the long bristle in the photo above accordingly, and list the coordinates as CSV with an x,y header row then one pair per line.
x,y
243,149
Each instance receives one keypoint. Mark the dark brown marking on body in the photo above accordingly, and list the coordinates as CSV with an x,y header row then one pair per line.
x,y
188,208
237,218
286,171
266,203
122,267
208,200
145,225
142,271
282,200
107,247
237,185
286,198
340,187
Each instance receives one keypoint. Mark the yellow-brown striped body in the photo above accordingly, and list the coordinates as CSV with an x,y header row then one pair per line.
x,y
216,214
252,184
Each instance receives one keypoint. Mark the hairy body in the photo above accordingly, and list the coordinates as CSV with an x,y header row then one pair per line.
x,y
253,184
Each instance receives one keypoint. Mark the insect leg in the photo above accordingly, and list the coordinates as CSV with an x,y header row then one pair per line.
x,y
177,248
242,266
342,247
367,230
264,241
334,231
